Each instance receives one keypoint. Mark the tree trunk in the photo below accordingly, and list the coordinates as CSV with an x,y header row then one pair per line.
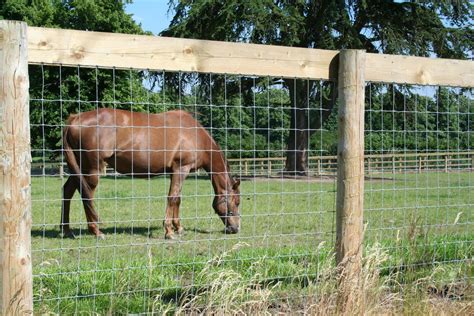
x,y
297,149
305,122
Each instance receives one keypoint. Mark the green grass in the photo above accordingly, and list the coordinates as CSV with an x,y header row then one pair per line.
x,y
288,232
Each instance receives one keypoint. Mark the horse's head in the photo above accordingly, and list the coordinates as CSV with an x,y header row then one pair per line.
x,y
227,207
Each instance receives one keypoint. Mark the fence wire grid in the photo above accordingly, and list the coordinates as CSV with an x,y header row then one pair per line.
x,y
279,138
135,269
418,194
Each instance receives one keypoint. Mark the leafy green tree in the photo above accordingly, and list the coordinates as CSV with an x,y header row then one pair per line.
x,y
241,131
422,28
92,15
56,92
400,120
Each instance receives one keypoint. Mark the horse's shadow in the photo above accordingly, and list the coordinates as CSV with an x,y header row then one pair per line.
x,y
145,231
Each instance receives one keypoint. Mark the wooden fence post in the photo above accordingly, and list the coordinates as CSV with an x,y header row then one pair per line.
x,y
393,163
16,290
350,178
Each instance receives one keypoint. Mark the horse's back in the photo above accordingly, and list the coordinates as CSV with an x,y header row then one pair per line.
x,y
124,118
140,142
93,129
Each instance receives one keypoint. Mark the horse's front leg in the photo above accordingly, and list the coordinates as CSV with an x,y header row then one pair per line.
x,y
172,216
172,222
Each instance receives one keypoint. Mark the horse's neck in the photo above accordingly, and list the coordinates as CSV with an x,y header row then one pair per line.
x,y
219,174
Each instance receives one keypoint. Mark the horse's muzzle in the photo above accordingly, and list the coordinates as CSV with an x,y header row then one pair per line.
x,y
232,229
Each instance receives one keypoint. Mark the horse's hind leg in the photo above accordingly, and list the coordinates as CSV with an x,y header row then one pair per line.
x,y
68,192
87,200
174,200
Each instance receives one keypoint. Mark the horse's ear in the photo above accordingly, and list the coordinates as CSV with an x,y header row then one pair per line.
x,y
236,184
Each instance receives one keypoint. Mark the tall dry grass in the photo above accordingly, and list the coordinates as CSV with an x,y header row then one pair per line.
x,y
228,292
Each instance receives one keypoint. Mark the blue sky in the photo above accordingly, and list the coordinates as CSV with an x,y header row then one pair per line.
x,y
151,14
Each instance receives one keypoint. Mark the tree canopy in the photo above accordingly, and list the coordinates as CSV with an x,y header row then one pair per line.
x,y
421,28
97,15
56,92
261,117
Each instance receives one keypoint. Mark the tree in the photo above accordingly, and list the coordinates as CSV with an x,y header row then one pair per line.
x,y
421,28
97,15
76,89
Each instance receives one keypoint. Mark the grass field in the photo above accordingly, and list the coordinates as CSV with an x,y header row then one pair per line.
x,y
421,222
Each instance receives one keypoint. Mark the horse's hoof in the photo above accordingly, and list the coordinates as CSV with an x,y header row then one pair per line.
x,y
68,234
180,230
170,236
100,236
231,230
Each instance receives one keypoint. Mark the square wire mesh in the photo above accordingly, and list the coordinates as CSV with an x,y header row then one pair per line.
x,y
419,164
287,218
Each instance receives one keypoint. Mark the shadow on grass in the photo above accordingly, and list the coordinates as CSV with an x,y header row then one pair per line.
x,y
152,232
185,293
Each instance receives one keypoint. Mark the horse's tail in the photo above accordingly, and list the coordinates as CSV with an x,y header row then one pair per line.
x,y
74,169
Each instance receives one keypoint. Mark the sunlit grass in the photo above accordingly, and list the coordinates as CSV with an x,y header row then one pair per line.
x,y
288,230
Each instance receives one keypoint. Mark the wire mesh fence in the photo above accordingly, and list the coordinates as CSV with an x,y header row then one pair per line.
x,y
269,246
284,215
418,194
278,138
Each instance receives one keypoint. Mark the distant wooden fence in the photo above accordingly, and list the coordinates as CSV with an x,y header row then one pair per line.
x,y
375,163
323,165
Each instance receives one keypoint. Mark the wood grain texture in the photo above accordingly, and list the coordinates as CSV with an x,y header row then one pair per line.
x,y
16,290
68,47
90,49
419,70
350,177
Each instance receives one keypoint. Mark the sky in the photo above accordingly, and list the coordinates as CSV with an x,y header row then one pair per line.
x,y
151,14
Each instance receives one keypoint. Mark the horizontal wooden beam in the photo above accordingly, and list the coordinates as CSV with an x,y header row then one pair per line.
x,y
70,47
112,50
419,70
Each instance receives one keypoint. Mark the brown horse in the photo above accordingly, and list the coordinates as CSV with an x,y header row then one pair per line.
x,y
144,145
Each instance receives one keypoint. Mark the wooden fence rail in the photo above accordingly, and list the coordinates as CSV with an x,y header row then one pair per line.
x,y
324,165
374,163
96,49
